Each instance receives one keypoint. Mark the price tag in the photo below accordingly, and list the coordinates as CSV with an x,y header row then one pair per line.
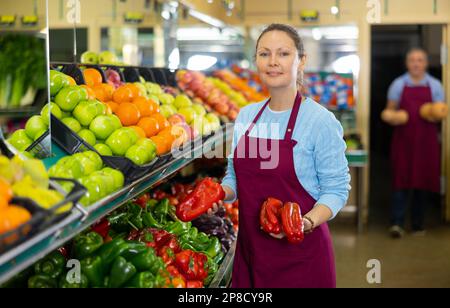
x,y
7,20
133,17
309,15
30,20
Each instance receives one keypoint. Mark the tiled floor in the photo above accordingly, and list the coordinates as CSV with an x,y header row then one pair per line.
x,y
407,262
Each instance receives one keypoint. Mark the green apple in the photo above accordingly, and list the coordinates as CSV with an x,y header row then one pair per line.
x,y
105,181
95,158
115,121
199,109
153,88
57,81
72,123
182,100
87,136
101,108
93,191
134,137
65,114
85,112
84,93
119,142
154,98
118,177
35,125
138,155
103,149
141,88
102,127
166,99
167,110
149,146
54,109
107,57
206,128
87,165
188,113
20,140
89,57
68,98
39,134
213,120
67,167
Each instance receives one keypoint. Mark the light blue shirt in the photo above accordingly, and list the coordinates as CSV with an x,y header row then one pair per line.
x,y
396,88
319,156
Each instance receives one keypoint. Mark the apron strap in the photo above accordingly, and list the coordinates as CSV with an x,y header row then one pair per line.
x,y
256,118
293,117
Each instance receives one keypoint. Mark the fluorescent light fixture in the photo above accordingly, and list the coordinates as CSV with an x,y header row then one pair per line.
x,y
201,63
347,64
334,10
317,34
165,14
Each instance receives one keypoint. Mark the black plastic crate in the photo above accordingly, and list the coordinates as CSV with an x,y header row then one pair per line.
x,y
41,218
41,147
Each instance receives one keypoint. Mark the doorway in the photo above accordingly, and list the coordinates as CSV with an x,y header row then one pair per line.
x,y
389,46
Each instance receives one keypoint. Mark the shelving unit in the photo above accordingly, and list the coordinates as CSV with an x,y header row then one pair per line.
x,y
19,258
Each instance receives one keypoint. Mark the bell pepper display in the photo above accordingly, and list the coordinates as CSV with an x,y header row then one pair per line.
x,y
65,284
41,282
269,216
86,244
102,228
94,269
143,280
205,194
51,266
292,222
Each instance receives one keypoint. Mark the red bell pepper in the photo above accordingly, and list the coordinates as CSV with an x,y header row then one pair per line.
x,y
270,216
292,222
142,200
192,265
206,193
167,255
102,227
194,284
159,195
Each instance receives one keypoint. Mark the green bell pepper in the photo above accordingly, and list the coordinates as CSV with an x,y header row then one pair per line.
x,y
64,284
213,267
219,257
110,251
214,248
133,248
121,272
143,280
150,205
202,237
193,233
41,282
178,228
84,245
93,268
144,261
52,266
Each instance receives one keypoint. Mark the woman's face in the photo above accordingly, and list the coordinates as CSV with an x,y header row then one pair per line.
x,y
277,60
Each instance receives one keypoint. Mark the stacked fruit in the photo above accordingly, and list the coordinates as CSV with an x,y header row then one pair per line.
x,y
88,169
195,84
240,85
236,97
104,57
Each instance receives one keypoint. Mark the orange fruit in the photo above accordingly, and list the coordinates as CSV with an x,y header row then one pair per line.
x,y
109,91
139,130
100,93
12,217
169,138
155,105
146,107
5,190
161,145
150,126
162,121
90,91
123,95
3,203
113,106
92,77
128,114
136,91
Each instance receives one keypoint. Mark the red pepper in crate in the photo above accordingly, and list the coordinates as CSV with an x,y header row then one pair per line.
x,y
292,222
205,194
167,255
142,200
270,216
192,265
102,227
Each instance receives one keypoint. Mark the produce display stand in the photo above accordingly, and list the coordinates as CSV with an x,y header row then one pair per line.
x,y
18,259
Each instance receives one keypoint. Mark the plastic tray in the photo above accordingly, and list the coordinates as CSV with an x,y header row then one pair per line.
x,y
70,142
41,218
41,147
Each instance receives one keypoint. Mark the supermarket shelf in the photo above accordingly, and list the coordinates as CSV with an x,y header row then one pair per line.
x,y
21,112
19,258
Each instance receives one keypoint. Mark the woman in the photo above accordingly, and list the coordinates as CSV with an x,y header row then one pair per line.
x,y
306,164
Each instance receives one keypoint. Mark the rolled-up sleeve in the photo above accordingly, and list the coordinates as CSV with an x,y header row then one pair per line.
x,y
331,165
437,91
395,90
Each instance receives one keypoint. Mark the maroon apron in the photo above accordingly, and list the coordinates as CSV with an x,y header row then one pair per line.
x,y
262,261
415,150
